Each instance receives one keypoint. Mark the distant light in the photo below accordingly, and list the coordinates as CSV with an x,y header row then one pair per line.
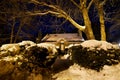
x,y
119,44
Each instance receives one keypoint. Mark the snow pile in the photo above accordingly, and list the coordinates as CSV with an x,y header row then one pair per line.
x,y
71,45
12,58
50,47
93,54
76,72
10,47
15,51
92,44
30,61
42,54
26,44
16,47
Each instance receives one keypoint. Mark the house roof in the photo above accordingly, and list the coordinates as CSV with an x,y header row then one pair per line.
x,y
70,37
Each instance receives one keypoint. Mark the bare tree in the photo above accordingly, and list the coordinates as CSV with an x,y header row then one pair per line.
x,y
18,10
84,9
11,10
100,5
57,11
113,17
12,31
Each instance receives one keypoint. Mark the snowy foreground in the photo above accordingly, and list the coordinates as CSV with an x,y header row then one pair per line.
x,y
30,61
75,72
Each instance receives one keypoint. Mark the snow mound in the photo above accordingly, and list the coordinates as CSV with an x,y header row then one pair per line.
x,y
92,44
12,58
50,47
76,72
10,47
27,44
71,45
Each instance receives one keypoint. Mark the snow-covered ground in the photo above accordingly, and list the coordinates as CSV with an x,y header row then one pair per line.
x,y
71,72
76,72
92,44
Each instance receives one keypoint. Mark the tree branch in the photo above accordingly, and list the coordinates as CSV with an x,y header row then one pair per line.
x,y
75,4
54,7
82,28
89,5
102,3
60,12
42,13
12,31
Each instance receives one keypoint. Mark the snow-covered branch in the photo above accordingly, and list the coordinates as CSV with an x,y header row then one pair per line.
x,y
59,12
44,13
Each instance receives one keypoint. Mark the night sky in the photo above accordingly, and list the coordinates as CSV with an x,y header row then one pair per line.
x,y
51,24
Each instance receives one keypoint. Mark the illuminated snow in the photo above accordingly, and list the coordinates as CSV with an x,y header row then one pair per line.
x,y
51,47
76,72
92,44
10,47
26,43
12,58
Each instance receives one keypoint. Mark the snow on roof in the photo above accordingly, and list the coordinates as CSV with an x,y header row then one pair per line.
x,y
67,36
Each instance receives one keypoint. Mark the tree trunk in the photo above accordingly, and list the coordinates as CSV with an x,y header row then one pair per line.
x,y
82,28
17,34
88,30
12,31
99,5
102,25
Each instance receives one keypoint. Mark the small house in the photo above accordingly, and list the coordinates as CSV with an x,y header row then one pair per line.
x,y
62,41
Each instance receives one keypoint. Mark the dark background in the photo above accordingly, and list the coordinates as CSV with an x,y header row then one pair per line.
x,y
42,25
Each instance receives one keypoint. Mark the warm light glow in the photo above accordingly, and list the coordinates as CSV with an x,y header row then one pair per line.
x,y
119,44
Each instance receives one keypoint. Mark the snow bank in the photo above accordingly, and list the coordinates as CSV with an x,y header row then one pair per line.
x,y
27,44
76,72
16,47
92,44
51,47
13,59
71,45
95,54
30,63
10,47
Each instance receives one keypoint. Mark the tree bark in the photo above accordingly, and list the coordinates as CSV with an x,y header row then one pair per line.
x,y
17,34
102,24
84,9
12,31
99,5
88,30
82,28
